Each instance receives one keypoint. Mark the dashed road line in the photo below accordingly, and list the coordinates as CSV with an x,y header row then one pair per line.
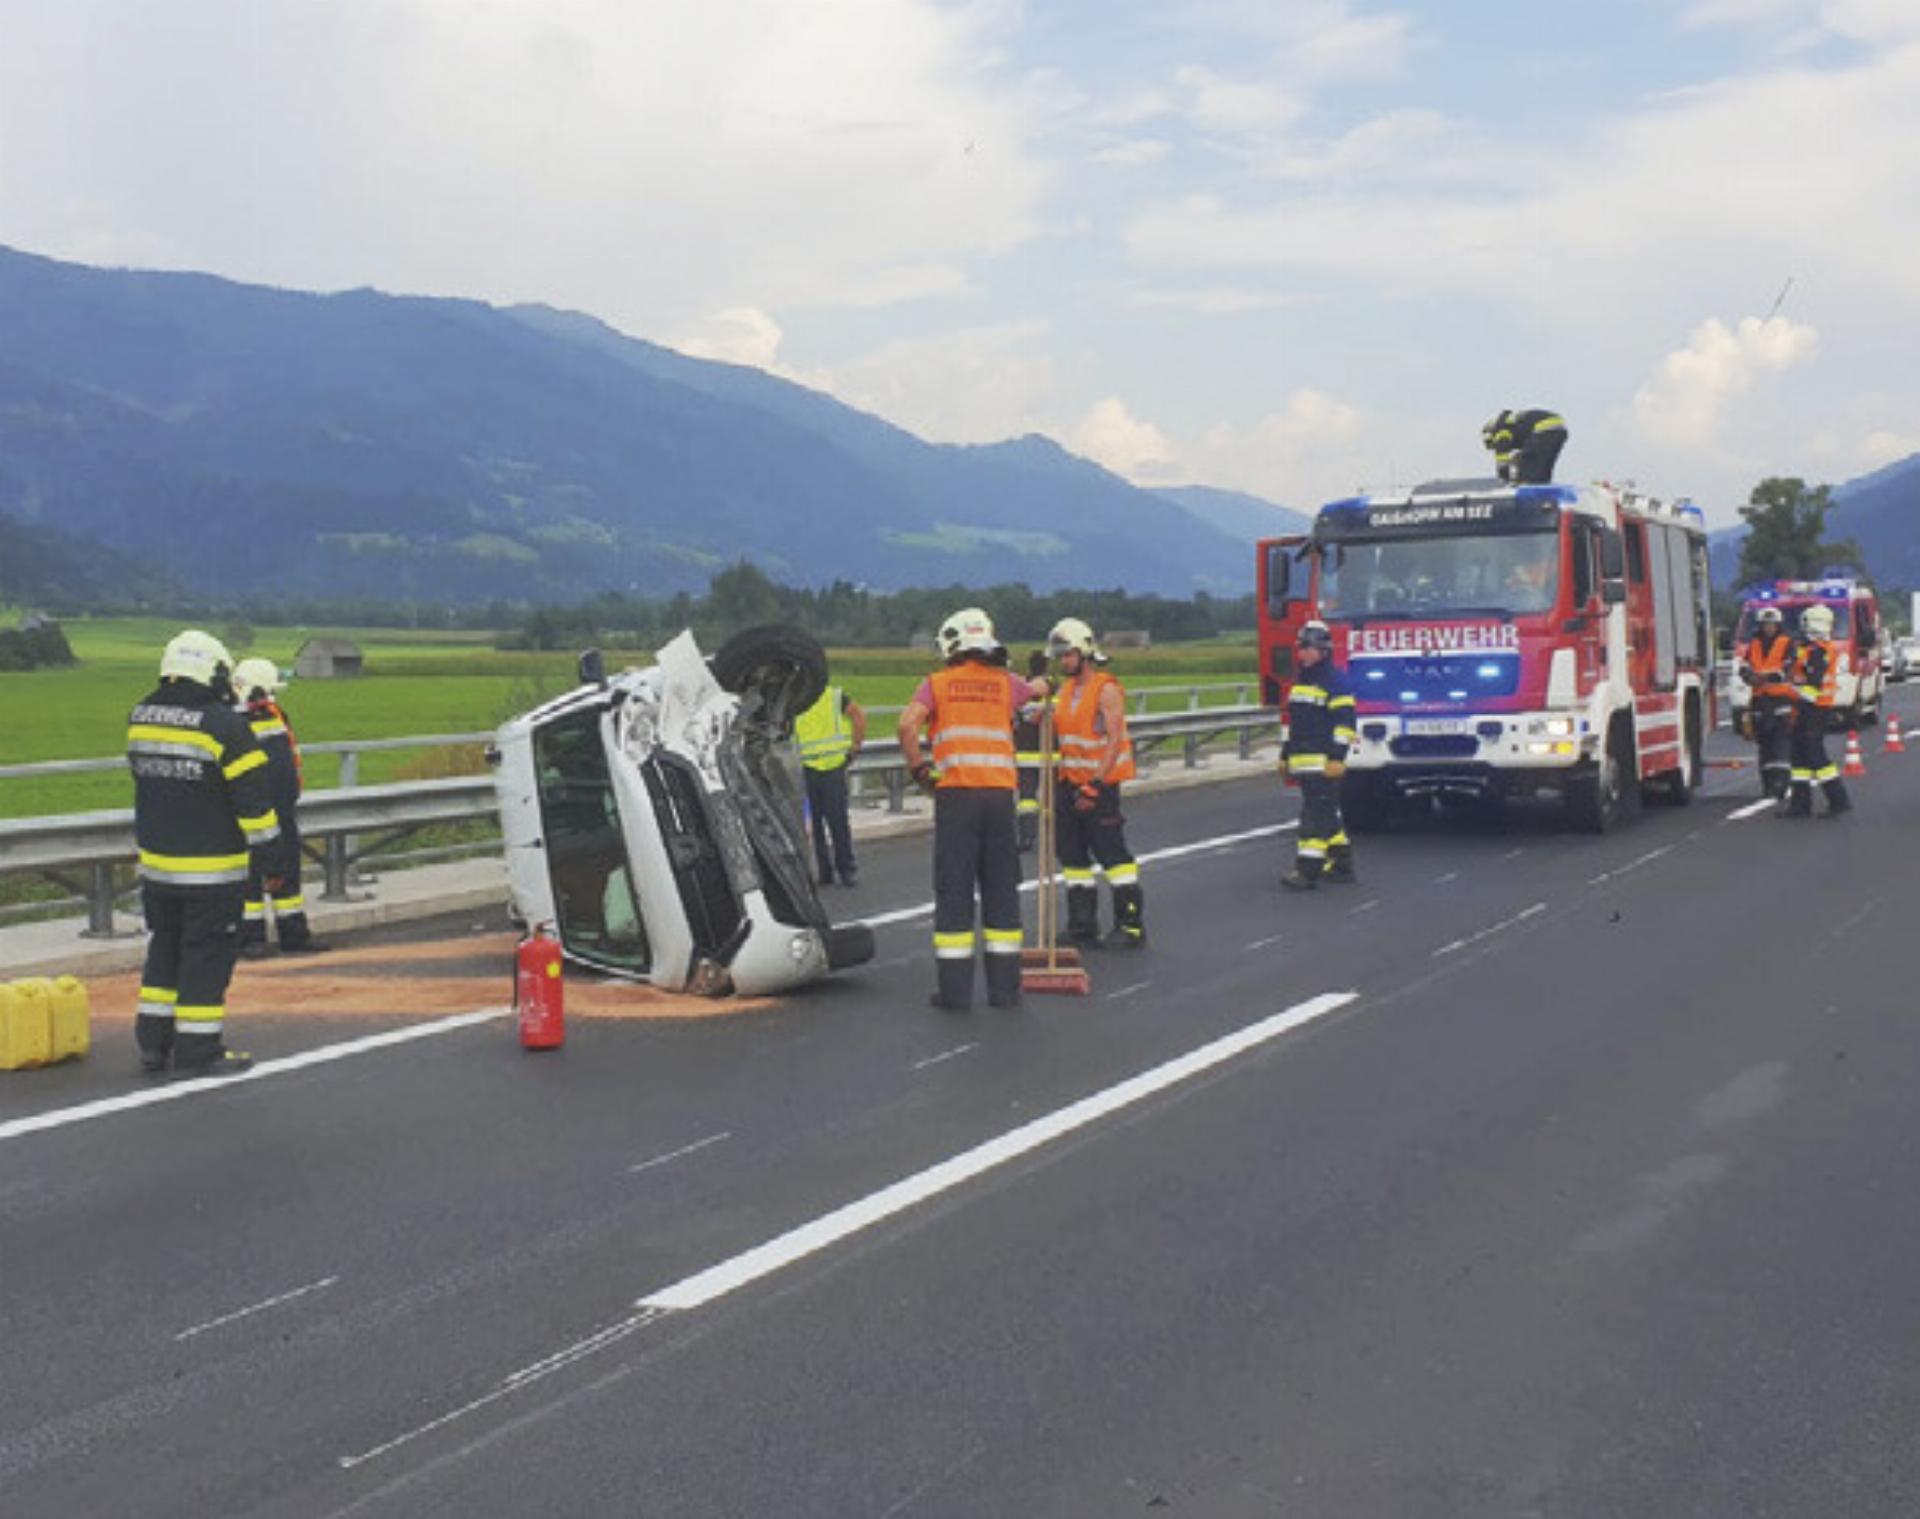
x,y
1647,858
750,1266
1365,907
698,1144
243,1313
955,1052
1488,933
1263,943
1752,809
1128,991
1451,875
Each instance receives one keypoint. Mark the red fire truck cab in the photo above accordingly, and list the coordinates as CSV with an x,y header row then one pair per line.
x,y
1504,641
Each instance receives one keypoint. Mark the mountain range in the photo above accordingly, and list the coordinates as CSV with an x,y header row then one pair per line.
x,y
186,431
1880,512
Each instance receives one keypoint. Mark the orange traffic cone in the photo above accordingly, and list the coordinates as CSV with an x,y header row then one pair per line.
x,y
1896,741
1856,762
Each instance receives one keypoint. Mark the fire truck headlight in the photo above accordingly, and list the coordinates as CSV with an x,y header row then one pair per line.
x,y
1559,727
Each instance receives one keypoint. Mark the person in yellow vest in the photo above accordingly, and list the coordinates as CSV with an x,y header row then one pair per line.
x,y
1096,756
969,708
830,734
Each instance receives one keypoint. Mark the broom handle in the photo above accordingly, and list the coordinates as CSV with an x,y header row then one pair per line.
x,y
1049,903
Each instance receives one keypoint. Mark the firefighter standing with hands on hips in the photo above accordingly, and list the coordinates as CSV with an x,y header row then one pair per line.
x,y
202,816
1815,673
969,708
1320,714
254,683
1765,667
1096,756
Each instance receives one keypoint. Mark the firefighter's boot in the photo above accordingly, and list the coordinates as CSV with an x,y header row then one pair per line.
x,y
1304,876
1838,802
1003,980
1797,802
223,1062
1083,916
1129,918
955,982
1340,864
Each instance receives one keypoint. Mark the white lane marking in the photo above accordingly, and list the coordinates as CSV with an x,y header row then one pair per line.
x,y
1752,809
1152,856
958,1049
1365,907
179,1091
1647,858
1513,854
1263,943
272,1302
1451,875
526,1376
796,1244
1128,991
661,1160
1487,933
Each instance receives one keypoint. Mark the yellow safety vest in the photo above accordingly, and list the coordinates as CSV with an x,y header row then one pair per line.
x,y
822,733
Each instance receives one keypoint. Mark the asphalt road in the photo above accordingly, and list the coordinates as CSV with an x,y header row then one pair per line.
x,y
1536,1174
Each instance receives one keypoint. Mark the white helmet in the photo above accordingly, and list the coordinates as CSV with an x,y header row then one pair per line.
x,y
1768,615
198,657
252,675
1071,634
1817,622
968,631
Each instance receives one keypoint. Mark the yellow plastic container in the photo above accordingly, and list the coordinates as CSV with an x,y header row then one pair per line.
x,y
72,1018
26,1025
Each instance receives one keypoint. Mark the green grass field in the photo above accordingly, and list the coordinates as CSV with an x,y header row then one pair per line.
x,y
415,683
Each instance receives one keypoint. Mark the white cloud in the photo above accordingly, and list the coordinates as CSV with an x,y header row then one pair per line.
x,y
1869,21
1219,104
1111,436
645,162
1312,449
975,385
1136,153
1319,40
1682,406
1208,300
1885,447
738,335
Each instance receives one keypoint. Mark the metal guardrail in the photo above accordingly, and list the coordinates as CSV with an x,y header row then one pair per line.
x,y
95,842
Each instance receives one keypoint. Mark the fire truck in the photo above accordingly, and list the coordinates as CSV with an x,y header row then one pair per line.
x,y
1505,640
1860,683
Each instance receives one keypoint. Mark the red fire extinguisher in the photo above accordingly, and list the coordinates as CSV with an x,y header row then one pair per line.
x,y
543,1023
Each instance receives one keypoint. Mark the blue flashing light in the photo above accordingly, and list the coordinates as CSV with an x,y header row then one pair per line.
x,y
1409,696
1376,675
1565,495
1488,672
1456,696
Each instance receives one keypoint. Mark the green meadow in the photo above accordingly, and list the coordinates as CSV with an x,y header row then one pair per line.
x,y
415,683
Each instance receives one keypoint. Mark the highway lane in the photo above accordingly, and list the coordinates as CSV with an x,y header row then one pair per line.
x,y
1574,1210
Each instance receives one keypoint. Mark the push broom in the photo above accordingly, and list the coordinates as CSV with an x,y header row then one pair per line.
x,y
1047,967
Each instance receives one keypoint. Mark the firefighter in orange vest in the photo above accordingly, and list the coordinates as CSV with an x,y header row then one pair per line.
x,y
1765,666
1816,669
1096,756
969,708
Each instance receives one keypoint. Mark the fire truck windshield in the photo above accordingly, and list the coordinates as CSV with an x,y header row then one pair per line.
x,y
1440,576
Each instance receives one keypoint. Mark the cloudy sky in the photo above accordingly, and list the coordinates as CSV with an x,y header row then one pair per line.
x,y
1286,246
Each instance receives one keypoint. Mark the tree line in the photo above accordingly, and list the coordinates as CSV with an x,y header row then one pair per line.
x,y
852,616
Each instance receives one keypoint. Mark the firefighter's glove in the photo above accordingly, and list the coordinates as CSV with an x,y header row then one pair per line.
x,y
925,778
1086,798
1336,769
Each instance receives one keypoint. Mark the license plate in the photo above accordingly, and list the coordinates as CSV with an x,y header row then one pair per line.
x,y
1430,727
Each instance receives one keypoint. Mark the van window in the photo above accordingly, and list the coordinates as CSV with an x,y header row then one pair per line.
x,y
1636,553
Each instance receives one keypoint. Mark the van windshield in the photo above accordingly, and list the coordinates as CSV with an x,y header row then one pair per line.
x,y
586,852
1441,576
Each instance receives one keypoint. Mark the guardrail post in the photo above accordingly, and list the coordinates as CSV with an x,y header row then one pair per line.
x,y
99,903
896,790
1246,740
336,868
1192,747
1140,703
1193,698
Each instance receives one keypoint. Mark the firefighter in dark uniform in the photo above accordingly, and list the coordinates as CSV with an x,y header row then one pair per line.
x,y
1766,667
254,682
1815,676
1320,714
1096,756
1525,444
969,709
202,812
1026,744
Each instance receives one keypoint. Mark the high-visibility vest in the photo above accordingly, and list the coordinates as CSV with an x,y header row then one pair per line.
x,y
1771,664
1081,733
1818,685
821,731
973,727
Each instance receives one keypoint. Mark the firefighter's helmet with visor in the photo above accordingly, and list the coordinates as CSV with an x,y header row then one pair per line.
x,y
1071,636
967,631
252,675
1817,622
198,657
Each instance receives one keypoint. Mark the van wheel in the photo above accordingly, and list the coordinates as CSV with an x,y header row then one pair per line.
x,y
779,671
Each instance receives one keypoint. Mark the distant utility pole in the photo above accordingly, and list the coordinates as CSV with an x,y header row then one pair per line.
x,y
1780,299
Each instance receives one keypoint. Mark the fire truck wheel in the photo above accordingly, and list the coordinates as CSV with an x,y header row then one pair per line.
x,y
1596,799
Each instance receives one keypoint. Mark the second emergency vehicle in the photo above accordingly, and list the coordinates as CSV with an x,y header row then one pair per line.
x,y
1860,680
1506,640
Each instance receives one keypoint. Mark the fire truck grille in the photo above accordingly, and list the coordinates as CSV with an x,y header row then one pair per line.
x,y
1435,746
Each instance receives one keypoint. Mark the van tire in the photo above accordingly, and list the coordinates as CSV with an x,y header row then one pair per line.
x,y
782,665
